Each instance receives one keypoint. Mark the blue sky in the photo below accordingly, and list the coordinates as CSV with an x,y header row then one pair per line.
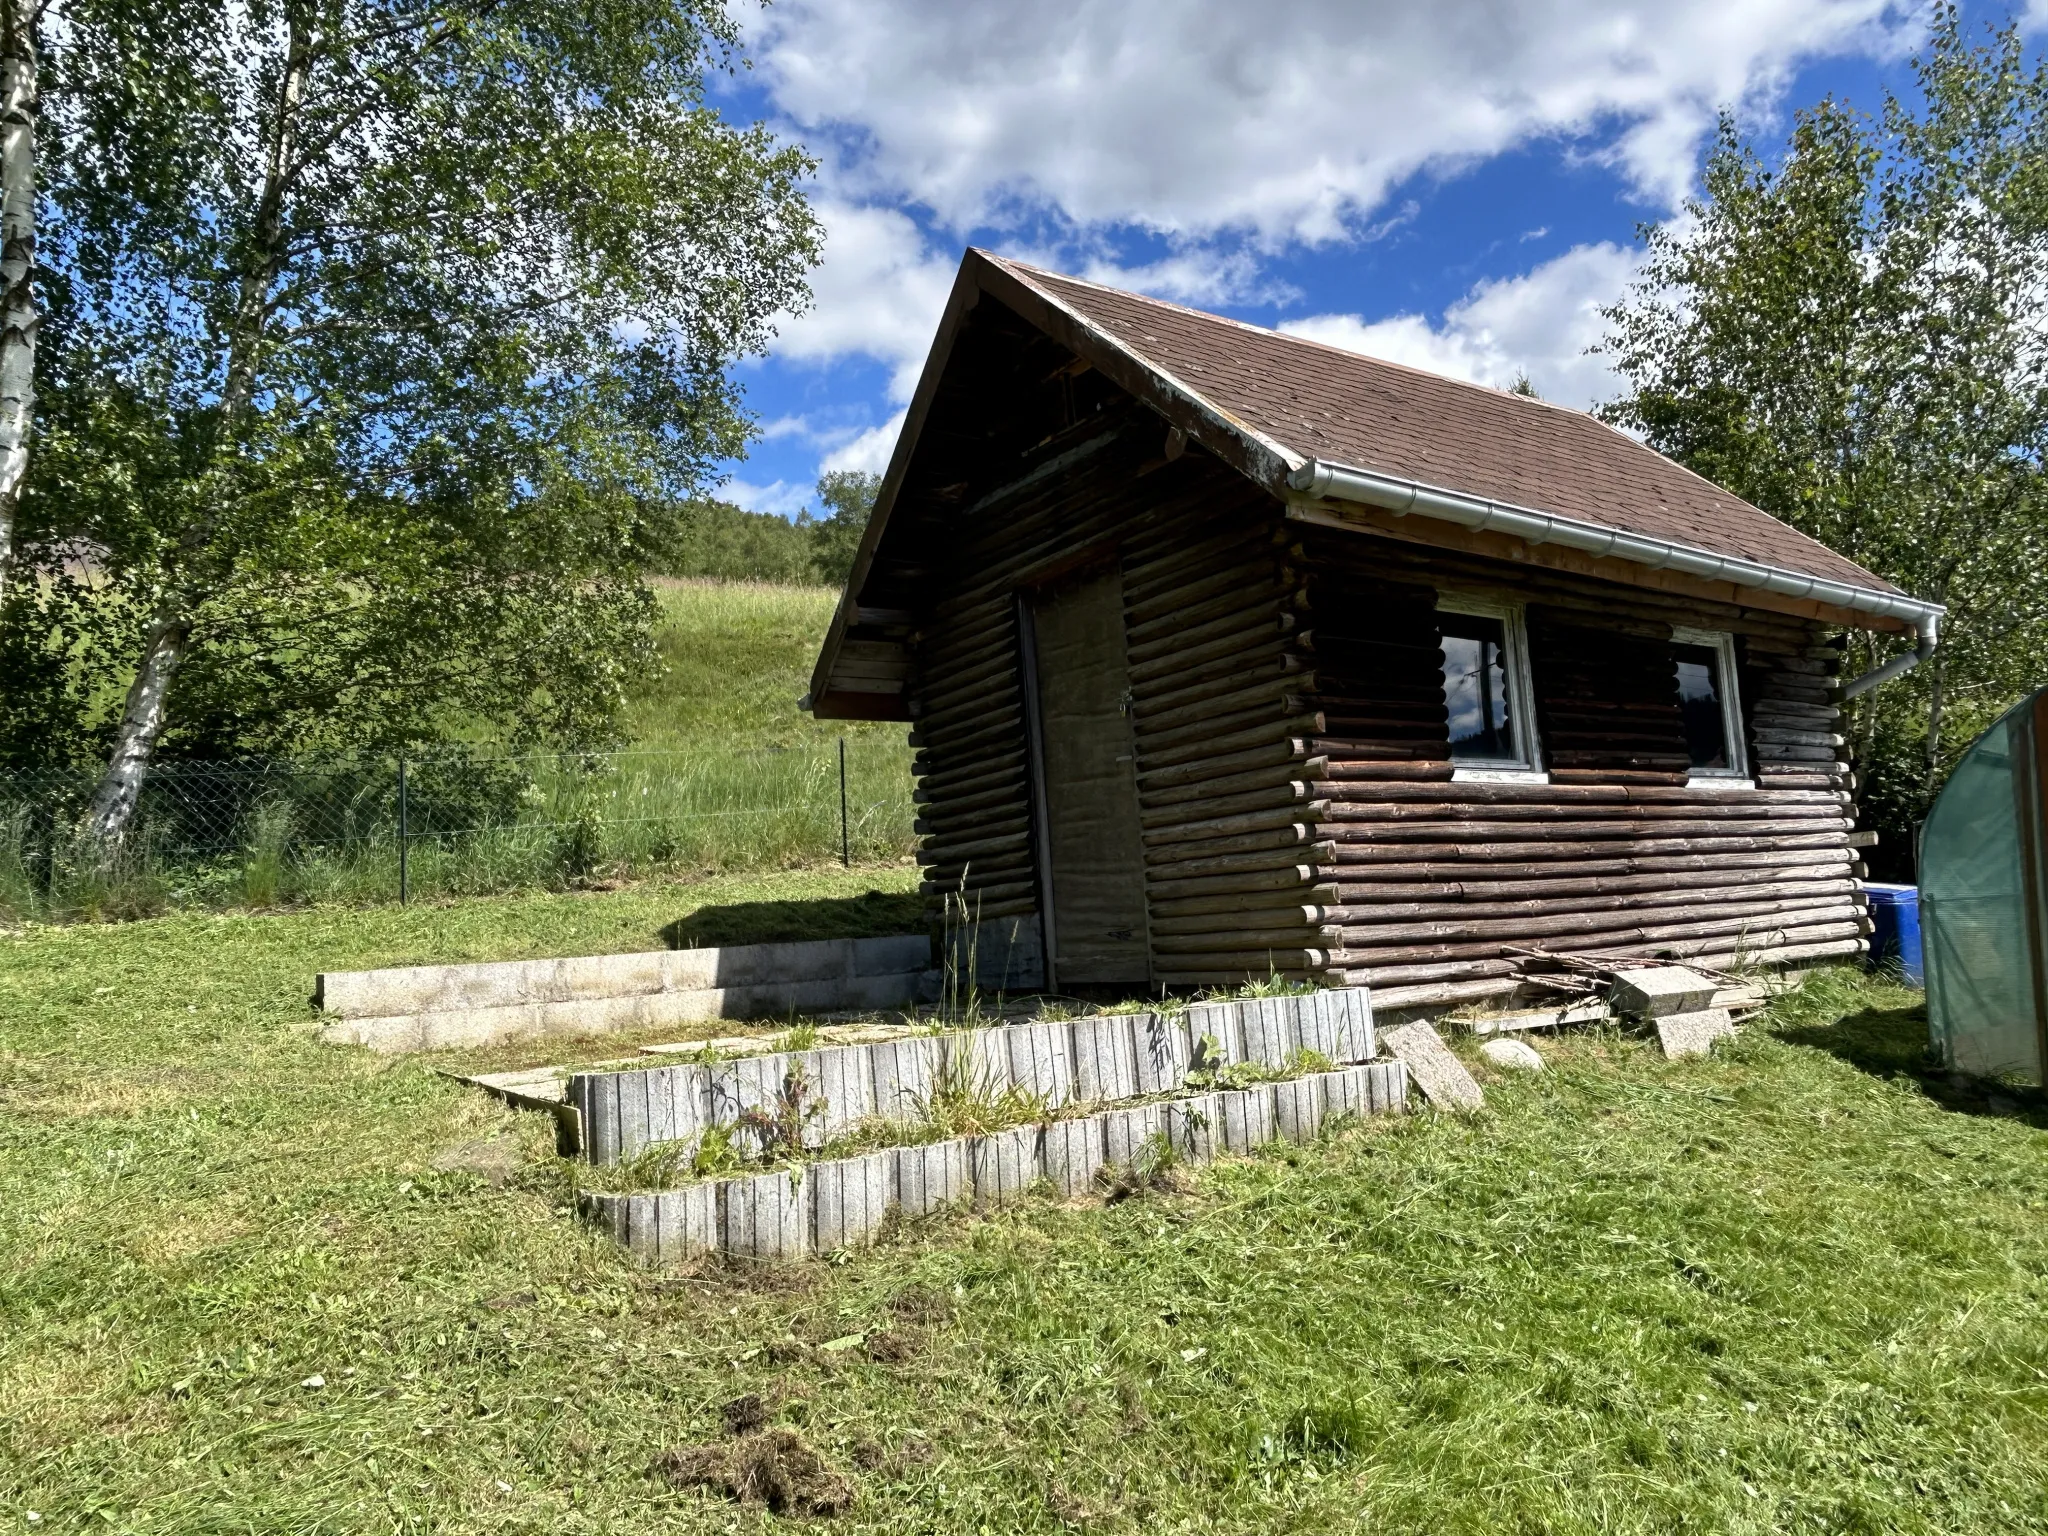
x,y
1455,185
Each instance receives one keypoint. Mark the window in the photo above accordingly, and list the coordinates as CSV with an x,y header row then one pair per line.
x,y
1486,686
1708,704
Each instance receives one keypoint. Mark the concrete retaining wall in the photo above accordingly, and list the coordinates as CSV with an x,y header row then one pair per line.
x,y
1095,1060
441,1007
782,1217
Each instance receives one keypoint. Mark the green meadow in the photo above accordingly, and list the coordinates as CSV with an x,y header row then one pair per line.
x,y
251,1283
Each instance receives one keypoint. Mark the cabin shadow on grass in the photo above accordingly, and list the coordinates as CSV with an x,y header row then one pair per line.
x,y
1892,1043
871,914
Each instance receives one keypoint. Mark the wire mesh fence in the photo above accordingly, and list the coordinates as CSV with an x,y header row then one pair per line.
x,y
261,832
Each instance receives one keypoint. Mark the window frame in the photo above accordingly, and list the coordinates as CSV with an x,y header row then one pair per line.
x,y
1521,694
1728,683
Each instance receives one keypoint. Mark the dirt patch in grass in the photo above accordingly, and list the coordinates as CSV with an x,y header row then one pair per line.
x,y
776,1468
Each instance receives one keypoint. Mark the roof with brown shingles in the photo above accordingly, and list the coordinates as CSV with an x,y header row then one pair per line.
x,y
1322,402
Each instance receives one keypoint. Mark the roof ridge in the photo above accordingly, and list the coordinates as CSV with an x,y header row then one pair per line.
x,y
1489,390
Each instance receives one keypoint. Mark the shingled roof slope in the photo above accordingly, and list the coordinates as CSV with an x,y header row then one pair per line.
x,y
1321,402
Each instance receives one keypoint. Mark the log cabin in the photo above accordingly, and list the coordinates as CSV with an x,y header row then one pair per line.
x,y
1228,653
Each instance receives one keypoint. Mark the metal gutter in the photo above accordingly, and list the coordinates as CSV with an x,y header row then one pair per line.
x,y
1401,496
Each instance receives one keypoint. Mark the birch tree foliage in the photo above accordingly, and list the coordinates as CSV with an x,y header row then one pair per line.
x,y
1852,339
379,335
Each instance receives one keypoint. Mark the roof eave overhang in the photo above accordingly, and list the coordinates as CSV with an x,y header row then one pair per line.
x,y
1230,439
1318,480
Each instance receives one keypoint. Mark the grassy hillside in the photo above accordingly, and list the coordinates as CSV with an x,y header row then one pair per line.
x,y
1788,1288
721,771
737,656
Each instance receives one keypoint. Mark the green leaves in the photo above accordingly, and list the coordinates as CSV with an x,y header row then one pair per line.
x,y
1851,339
385,336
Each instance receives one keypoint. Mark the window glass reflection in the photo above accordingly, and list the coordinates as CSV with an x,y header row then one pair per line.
x,y
1699,705
1476,688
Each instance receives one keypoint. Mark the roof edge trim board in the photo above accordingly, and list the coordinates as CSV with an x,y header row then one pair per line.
x,y
1263,458
1396,494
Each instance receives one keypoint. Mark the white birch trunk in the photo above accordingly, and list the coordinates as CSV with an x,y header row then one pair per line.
x,y
18,317
142,722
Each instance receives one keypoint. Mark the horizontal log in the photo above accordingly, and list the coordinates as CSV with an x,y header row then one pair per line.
x,y
1177,884
1270,660
975,771
1207,829
1391,975
1383,875
1528,928
1194,747
1223,700
999,725
987,890
1479,793
937,828
1635,825
1797,738
1244,916
1290,776
1159,876
1259,640
1289,794
1309,898
1599,899
989,788
1293,835
1242,601
1268,617
1590,817
1593,936
1469,854
1418,894
1256,962
1197,589
946,851
1352,749
1373,775
1185,948
1279,752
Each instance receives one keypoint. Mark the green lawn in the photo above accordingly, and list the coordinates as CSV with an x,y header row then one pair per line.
x,y
1790,1288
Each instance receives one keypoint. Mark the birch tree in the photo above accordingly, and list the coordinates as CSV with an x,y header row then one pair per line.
x,y
19,22
385,326
1853,338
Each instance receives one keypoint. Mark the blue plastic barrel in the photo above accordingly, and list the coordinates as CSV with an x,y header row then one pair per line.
x,y
1895,929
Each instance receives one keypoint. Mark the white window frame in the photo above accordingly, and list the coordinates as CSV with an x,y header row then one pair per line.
x,y
1729,685
1521,695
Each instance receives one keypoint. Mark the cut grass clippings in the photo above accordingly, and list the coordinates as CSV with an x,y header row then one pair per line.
x,y
1785,1288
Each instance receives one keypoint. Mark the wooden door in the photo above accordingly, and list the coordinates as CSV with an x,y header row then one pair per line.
x,y
1092,856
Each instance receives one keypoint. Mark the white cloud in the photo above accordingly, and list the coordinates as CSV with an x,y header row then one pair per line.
x,y
1540,323
869,452
779,496
878,293
1289,120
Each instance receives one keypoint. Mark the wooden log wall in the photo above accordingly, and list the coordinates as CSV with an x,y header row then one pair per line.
x,y
1432,877
1218,700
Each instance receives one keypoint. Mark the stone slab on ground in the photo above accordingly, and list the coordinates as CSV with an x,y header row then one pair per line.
x,y
1512,1055
1693,1034
443,1007
1440,1075
1654,991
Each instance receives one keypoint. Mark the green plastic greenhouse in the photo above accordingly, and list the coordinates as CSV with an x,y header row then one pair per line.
x,y
1984,901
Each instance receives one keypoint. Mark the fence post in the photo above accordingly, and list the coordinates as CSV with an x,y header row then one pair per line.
x,y
404,836
845,848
